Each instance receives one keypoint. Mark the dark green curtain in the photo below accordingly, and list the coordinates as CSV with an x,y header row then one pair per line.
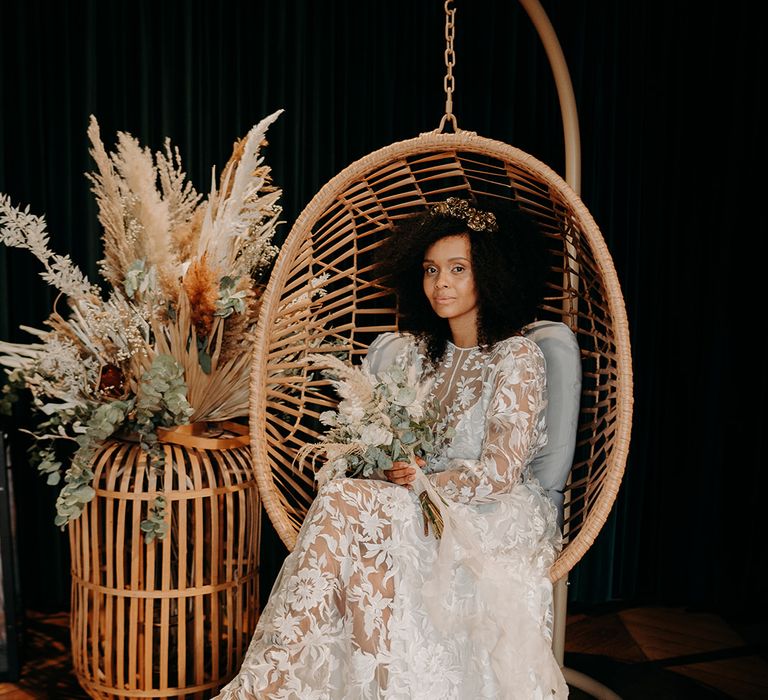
x,y
672,114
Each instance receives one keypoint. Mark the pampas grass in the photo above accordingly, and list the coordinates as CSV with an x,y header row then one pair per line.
x,y
185,273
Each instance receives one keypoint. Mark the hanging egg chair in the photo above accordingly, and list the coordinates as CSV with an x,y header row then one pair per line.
x,y
325,294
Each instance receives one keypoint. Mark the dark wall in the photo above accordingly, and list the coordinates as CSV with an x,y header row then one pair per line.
x,y
672,112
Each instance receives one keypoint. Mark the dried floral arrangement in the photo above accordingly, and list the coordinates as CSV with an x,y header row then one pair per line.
x,y
168,342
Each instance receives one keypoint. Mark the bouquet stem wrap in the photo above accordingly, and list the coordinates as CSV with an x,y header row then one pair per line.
x,y
428,500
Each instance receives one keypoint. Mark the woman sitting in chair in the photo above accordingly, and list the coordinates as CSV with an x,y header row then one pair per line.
x,y
368,604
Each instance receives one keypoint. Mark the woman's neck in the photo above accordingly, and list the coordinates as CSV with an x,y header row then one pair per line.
x,y
463,333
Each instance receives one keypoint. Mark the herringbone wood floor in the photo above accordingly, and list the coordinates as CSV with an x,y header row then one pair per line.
x,y
640,653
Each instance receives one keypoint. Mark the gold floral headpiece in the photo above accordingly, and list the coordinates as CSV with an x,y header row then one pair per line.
x,y
476,219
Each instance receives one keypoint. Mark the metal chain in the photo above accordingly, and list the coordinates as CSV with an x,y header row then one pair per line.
x,y
450,62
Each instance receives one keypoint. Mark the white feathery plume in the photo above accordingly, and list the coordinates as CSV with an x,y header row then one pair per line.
x,y
333,451
354,382
235,209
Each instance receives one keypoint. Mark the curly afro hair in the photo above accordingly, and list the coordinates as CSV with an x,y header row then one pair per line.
x,y
509,267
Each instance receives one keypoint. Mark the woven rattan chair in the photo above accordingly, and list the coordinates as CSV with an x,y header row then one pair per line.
x,y
330,248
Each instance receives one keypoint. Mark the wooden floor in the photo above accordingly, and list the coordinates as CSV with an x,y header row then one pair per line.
x,y
639,653
660,653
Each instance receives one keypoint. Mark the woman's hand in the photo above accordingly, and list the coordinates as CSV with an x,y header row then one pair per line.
x,y
403,473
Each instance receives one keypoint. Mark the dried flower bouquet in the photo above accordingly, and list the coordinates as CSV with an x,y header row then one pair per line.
x,y
381,418
169,343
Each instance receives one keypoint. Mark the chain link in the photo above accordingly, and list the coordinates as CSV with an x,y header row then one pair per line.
x,y
450,62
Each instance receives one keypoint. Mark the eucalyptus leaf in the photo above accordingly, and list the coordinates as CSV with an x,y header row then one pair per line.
x,y
84,493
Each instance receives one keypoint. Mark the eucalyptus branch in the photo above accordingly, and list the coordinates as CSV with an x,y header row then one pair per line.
x,y
78,479
162,402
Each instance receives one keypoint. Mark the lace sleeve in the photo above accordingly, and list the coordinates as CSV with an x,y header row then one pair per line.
x,y
514,431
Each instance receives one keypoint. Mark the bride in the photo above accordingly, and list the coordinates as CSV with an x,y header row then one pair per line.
x,y
369,604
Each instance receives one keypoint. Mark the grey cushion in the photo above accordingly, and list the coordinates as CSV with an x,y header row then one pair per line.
x,y
561,352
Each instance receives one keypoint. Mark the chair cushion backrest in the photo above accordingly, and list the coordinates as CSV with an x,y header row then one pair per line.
x,y
561,353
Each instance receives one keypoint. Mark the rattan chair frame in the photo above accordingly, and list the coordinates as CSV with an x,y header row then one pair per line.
x,y
332,244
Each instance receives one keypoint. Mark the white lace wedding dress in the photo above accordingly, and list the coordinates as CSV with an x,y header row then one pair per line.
x,y
368,606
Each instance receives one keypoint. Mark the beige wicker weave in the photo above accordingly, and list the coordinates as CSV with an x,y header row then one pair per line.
x,y
335,236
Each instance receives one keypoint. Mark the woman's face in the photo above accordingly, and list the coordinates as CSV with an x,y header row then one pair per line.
x,y
449,283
